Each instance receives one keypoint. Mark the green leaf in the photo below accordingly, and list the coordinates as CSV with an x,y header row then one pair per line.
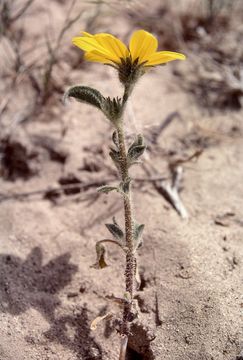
x,y
137,142
101,254
112,108
115,156
106,189
115,139
138,230
137,235
125,185
135,152
115,230
85,94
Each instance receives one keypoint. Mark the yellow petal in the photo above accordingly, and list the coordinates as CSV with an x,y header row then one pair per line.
x,y
142,45
162,57
110,43
96,56
84,33
107,45
114,45
88,44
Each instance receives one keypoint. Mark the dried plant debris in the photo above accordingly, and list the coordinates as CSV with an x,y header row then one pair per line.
x,y
213,76
71,183
91,164
215,85
198,139
18,158
54,148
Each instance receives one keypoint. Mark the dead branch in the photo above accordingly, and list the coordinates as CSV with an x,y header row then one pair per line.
x,y
53,50
57,189
22,10
170,191
156,132
63,188
175,163
6,18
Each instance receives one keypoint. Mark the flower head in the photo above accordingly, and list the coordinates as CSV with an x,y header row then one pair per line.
x,y
131,62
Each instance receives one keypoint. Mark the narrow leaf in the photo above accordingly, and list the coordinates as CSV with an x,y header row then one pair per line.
x,y
138,230
115,139
106,189
135,152
86,95
125,185
112,108
116,231
115,156
114,221
139,243
137,142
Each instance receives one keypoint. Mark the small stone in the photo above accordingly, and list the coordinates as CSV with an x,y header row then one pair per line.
x,y
82,289
72,294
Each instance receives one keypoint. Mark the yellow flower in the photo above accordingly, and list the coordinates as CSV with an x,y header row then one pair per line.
x,y
107,49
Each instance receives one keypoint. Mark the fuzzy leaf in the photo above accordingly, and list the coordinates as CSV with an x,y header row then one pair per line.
x,y
135,152
139,243
112,108
115,139
101,254
115,156
106,189
137,234
86,95
138,230
137,142
115,230
125,185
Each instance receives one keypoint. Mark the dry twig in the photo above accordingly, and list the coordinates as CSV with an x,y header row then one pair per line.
x,y
171,191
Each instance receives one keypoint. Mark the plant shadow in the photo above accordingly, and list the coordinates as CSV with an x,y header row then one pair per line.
x,y
28,283
73,332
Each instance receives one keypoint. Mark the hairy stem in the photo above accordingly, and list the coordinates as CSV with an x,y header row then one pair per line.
x,y
130,256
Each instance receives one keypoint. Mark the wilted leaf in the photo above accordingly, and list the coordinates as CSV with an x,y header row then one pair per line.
x,y
101,253
96,321
116,299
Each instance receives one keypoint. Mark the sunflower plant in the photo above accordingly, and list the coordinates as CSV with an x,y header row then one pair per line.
x,y
131,63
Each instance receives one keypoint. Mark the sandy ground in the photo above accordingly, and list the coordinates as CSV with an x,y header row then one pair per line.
x,y
190,300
